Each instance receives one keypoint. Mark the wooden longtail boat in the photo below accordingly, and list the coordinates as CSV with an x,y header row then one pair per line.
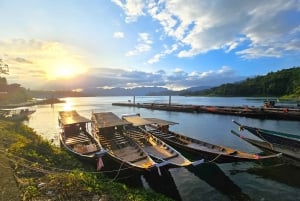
x,y
273,137
109,130
75,138
276,148
198,148
155,147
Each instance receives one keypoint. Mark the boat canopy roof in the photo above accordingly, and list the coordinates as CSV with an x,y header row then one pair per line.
x,y
160,122
108,119
71,117
137,120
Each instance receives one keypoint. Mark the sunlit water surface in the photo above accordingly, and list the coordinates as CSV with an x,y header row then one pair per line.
x,y
234,181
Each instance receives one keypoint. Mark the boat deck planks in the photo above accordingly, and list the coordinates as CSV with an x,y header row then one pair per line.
x,y
131,154
81,138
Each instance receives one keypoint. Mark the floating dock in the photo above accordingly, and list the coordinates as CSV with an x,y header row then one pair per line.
x,y
252,112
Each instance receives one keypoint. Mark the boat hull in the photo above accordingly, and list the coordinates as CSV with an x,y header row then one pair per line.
x,y
286,139
271,138
207,156
75,138
209,152
159,151
293,153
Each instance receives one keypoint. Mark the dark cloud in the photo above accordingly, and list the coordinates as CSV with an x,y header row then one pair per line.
x,y
22,60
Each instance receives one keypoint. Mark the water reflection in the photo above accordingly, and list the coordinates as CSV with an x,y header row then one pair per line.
x,y
215,177
279,173
163,183
208,172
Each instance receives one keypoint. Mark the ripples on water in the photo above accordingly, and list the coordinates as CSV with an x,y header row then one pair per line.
x,y
234,181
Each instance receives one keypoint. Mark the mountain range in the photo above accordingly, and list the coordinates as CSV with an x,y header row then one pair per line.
x,y
139,91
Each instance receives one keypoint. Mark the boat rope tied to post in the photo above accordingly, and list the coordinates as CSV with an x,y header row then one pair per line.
x,y
158,165
198,162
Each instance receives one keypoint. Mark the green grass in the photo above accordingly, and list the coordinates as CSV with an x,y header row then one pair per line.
x,y
46,172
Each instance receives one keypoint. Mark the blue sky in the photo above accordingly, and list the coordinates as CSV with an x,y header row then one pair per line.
x,y
167,43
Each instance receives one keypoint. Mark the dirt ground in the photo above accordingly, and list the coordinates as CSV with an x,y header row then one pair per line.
x,y
8,185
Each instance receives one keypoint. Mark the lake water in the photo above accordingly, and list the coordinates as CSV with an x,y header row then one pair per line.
x,y
233,181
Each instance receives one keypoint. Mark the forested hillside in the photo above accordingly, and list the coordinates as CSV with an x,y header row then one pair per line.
x,y
278,84
11,93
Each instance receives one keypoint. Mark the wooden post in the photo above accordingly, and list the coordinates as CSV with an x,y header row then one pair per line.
x,y
133,100
169,100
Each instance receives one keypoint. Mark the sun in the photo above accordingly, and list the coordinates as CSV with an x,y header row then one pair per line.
x,y
65,70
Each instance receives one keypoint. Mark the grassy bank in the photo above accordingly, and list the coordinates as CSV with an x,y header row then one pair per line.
x,y
45,172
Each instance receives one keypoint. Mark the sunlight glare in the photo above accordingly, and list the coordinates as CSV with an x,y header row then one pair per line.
x,y
68,105
65,69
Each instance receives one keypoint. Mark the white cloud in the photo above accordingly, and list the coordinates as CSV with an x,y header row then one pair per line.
x,y
155,58
259,51
166,51
144,45
203,26
35,65
132,8
293,45
178,79
144,38
178,70
39,60
118,35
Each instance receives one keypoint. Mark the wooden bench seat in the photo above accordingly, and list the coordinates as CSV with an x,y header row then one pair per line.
x,y
138,159
77,139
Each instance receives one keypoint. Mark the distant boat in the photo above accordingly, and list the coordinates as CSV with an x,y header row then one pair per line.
x,y
16,114
76,139
155,147
273,137
109,130
196,147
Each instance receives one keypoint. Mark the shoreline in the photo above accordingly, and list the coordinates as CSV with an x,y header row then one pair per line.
x,y
49,101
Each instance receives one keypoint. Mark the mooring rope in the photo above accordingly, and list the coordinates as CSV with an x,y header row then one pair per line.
x,y
258,133
213,160
118,171
53,169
